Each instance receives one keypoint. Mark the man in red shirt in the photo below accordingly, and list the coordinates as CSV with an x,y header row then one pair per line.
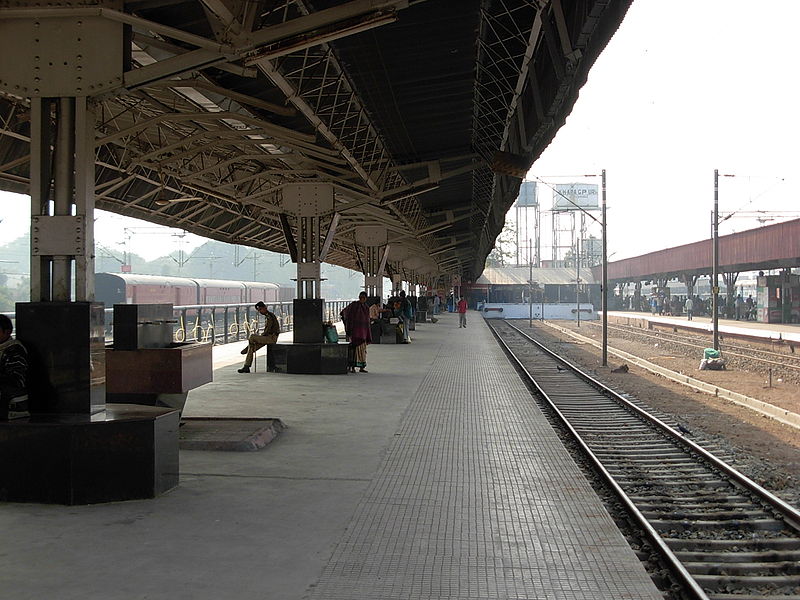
x,y
462,312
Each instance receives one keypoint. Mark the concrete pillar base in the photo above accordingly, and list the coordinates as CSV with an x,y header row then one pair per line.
x,y
125,452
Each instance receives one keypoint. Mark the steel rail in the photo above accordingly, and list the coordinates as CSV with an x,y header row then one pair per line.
x,y
673,563
791,514
777,413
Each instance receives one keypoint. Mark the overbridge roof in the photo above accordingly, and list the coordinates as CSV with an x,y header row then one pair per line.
x,y
422,114
770,247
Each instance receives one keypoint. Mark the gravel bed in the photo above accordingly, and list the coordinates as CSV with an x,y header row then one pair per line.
x,y
762,449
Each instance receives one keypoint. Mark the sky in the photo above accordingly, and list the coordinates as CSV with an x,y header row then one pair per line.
x,y
683,88
114,233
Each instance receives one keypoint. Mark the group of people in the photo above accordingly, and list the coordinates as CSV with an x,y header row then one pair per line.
x,y
737,308
358,317
744,310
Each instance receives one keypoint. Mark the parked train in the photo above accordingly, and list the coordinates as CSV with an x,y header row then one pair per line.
x,y
127,288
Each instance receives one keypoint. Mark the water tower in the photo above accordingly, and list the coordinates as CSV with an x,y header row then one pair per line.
x,y
527,219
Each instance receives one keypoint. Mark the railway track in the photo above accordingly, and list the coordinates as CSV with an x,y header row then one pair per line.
x,y
747,355
722,535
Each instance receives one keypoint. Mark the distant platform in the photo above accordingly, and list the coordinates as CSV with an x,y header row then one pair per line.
x,y
563,311
778,332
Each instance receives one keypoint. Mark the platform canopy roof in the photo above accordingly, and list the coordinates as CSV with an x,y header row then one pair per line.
x,y
423,115
539,276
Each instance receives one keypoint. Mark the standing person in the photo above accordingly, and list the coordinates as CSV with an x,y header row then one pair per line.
x,y
356,318
437,302
13,374
375,317
268,338
375,310
406,314
462,312
750,308
689,306
740,310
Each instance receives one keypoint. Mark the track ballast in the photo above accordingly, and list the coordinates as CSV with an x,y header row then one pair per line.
x,y
723,536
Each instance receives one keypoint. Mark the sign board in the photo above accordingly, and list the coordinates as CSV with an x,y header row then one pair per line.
x,y
528,196
456,281
574,196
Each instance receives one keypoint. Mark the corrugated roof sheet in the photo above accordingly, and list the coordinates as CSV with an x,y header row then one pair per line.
x,y
436,111
520,275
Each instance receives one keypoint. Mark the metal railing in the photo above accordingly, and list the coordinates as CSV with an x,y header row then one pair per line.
x,y
225,323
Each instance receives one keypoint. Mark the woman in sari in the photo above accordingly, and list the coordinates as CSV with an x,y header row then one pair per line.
x,y
357,327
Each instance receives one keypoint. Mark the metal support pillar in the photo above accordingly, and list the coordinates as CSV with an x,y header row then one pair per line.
x,y
397,280
309,277
74,449
372,238
689,281
729,279
62,240
68,377
311,204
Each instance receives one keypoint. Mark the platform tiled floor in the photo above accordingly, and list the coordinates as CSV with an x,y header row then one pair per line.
x,y
477,499
431,477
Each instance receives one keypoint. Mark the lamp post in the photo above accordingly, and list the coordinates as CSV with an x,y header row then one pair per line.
x,y
542,298
578,280
530,286
715,261
604,284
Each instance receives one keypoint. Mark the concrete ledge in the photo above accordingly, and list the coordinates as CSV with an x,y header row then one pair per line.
x,y
126,452
312,359
228,434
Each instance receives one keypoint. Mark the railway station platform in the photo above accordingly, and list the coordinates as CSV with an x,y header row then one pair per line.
x,y
434,476
763,331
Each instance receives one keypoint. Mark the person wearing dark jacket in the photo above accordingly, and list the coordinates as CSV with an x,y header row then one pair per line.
x,y
406,315
13,374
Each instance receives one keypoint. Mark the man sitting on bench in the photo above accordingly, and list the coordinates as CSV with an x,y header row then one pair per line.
x,y
268,338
